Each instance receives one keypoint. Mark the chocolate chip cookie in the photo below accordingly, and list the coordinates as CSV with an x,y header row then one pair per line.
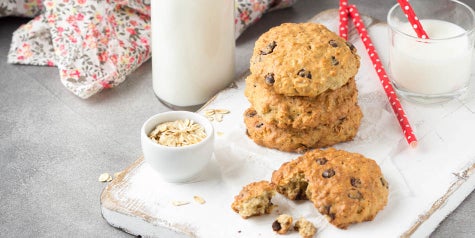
x,y
301,140
303,59
297,111
345,187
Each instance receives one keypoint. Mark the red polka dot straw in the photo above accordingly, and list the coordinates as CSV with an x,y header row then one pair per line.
x,y
411,16
383,77
343,28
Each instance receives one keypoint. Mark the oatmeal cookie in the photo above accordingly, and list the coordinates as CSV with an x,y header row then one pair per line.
x,y
254,199
303,59
296,140
300,112
345,187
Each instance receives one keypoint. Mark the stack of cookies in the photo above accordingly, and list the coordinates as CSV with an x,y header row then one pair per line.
x,y
302,89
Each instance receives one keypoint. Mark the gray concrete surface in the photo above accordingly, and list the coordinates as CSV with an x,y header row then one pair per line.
x,y
53,145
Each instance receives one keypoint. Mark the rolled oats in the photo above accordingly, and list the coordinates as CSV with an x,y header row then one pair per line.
x,y
216,114
180,203
209,112
199,199
178,133
219,117
222,111
105,177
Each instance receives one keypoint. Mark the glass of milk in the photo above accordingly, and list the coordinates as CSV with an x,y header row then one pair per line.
x,y
192,50
439,68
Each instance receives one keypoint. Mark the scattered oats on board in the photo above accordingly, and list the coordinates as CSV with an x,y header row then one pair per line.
x,y
199,199
216,114
180,203
220,133
178,133
105,177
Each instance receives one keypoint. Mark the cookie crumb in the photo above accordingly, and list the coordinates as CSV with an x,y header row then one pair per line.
x,y
305,228
282,224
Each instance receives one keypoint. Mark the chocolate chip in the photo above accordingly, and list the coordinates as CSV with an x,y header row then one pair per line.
x,y
276,226
296,228
360,210
342,119
355,194
355,182
321,161
302,149
269,49
384,182
352,47
302,195
328,213
333,43
251,114
259,125
334,61
328,173
304,73
270,79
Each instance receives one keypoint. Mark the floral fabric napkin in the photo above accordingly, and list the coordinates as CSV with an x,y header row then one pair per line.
x,y
96,43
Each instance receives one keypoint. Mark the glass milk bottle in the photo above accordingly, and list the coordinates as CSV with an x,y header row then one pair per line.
x,y
193,50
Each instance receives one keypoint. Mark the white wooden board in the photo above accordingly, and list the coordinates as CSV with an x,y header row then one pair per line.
x,y
426,183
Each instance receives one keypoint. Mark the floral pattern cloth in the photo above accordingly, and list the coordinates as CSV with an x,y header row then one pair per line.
x,y
96,43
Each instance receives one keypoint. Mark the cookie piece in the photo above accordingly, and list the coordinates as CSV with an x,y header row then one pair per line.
x,y
345,187
300,112
254,199
295,140
305,228
282,224
303,59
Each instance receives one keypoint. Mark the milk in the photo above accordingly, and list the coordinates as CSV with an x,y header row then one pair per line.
x,y
192,48
441,65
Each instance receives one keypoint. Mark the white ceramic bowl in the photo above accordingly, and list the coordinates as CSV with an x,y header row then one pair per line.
x,y
177,164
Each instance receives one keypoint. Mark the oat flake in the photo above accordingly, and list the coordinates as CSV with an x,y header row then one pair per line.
x,y
199,199
179,203
105,177
178,133
215,114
